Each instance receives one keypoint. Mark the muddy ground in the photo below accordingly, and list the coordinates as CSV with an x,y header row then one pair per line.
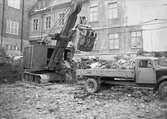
x,y
69,101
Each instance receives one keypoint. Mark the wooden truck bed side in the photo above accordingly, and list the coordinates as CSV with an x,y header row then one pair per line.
x,y
116,73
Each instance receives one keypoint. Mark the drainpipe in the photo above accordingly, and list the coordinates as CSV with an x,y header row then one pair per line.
x,y
3,20
22,27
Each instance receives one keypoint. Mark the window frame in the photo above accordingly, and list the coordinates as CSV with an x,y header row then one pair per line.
x,y
35,25
12,27
136,39
7,46
48,22
114,40
112,9
93,10
94,13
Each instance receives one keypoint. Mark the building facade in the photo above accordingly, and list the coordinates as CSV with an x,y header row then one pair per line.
x,y
152,15
47,16
13,30
110,18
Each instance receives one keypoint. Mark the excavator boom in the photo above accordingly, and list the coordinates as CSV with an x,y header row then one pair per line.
x,y
63,37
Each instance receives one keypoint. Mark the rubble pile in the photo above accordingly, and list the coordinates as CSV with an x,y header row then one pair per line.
x,y
59,101
118,62
10,71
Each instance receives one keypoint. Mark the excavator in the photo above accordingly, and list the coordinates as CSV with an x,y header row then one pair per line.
x,y
44,63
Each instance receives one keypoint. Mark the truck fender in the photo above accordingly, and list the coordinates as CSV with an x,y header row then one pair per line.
x,y
161,79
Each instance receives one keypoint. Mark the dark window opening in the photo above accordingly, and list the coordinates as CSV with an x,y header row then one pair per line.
x,y
49,55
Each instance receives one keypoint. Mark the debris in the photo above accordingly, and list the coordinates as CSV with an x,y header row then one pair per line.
x,y
121,62
72,102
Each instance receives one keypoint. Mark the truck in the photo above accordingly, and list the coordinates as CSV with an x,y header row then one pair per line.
x,y
146,71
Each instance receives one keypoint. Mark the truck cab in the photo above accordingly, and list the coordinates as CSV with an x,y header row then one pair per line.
x,y
149,71
145,70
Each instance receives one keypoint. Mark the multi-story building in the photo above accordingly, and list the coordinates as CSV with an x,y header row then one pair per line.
x,y
14,24
112,20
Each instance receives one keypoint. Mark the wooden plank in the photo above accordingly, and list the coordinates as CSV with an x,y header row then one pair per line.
x,y
117,73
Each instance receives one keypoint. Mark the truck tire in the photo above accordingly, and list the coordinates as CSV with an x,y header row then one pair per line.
x,y
163,90
92,85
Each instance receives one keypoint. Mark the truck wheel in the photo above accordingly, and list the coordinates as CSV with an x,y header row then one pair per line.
x,y
92,85
163,90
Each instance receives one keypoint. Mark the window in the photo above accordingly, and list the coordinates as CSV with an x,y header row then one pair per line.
x,y
136,39
35,24
14,3
61,19
93,11
14,47
41,4
7,47
12,27
113,10
8,26
145,64
114,41
10,47
48,22
17,48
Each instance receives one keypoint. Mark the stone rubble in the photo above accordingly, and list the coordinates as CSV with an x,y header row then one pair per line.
x,y
70,101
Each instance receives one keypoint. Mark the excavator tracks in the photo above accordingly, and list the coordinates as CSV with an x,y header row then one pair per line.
x,y
40,78
36,78
47,78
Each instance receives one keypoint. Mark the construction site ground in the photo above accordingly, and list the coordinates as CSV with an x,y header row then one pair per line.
x,y
21,100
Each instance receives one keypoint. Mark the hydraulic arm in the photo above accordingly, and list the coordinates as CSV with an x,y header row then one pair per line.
x,y
64,36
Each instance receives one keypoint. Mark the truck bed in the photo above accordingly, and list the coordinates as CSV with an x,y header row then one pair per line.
x,y
116,73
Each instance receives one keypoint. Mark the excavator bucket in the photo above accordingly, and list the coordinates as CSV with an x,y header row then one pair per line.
x,y
87,39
